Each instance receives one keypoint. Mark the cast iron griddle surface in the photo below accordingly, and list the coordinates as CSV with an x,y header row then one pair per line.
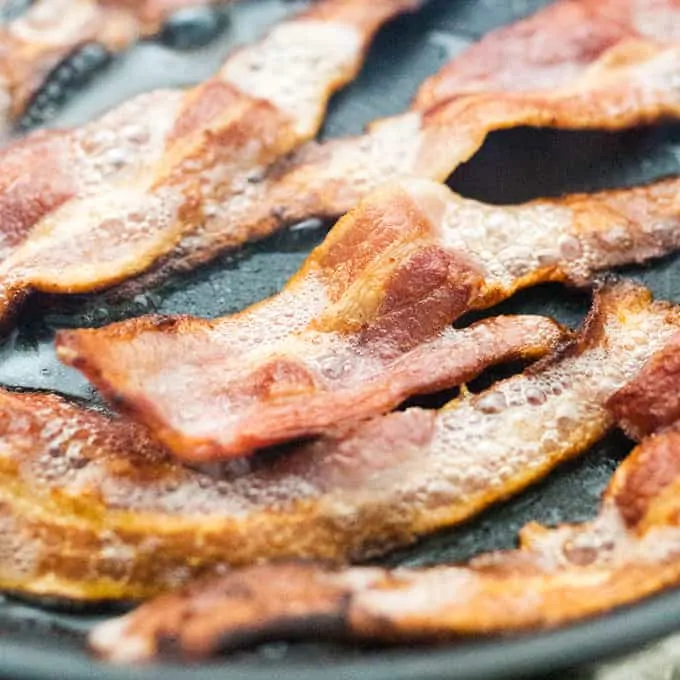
x,y
512,167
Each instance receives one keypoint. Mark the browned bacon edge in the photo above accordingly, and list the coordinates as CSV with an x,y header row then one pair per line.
x,y
557,576
35,43
103,513
354,333
609,67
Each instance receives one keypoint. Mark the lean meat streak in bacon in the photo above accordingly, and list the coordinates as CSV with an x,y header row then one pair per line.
x,y
631,550
652,401
93,509
87,208
135,522
560,575
35,43
355,332
214,171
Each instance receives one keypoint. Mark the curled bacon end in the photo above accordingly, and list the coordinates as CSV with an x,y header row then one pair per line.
x,y
561,575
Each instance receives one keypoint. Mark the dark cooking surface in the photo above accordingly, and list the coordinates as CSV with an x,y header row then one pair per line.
x,y
512,167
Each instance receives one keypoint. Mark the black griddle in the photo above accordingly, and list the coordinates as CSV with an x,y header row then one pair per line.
x,y
512,167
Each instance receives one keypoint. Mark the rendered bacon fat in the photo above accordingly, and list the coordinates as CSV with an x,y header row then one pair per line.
x,y
355,332
33,44
86,208
606,65
632,550
92,509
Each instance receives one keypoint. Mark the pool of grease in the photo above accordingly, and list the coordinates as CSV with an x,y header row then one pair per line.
x,y
512,167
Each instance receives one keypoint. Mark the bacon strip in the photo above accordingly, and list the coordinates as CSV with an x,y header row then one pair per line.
x,y
154,168
557,576
577,65
610,66
39,40
355,332
93,509
515,430
100,512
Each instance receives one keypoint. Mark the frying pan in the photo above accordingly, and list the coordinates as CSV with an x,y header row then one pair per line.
x,y
512,167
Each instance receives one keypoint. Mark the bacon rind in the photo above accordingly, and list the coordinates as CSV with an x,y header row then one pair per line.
x,y
377,295
557,576
93,509
610,85
172,155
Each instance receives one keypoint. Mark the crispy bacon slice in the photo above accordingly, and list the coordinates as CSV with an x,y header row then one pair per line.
x,y
354,333
35,43
632,550
156,167
610,65
92,509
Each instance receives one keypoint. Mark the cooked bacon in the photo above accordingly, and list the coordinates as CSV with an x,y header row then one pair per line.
x,y
354,333
577,65
651,401
551,48
93,509
35,43
228,180
90,207
102,513
511,432
557,576
626,87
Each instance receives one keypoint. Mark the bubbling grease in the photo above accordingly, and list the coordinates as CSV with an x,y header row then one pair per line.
x,y
297,83
126,144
